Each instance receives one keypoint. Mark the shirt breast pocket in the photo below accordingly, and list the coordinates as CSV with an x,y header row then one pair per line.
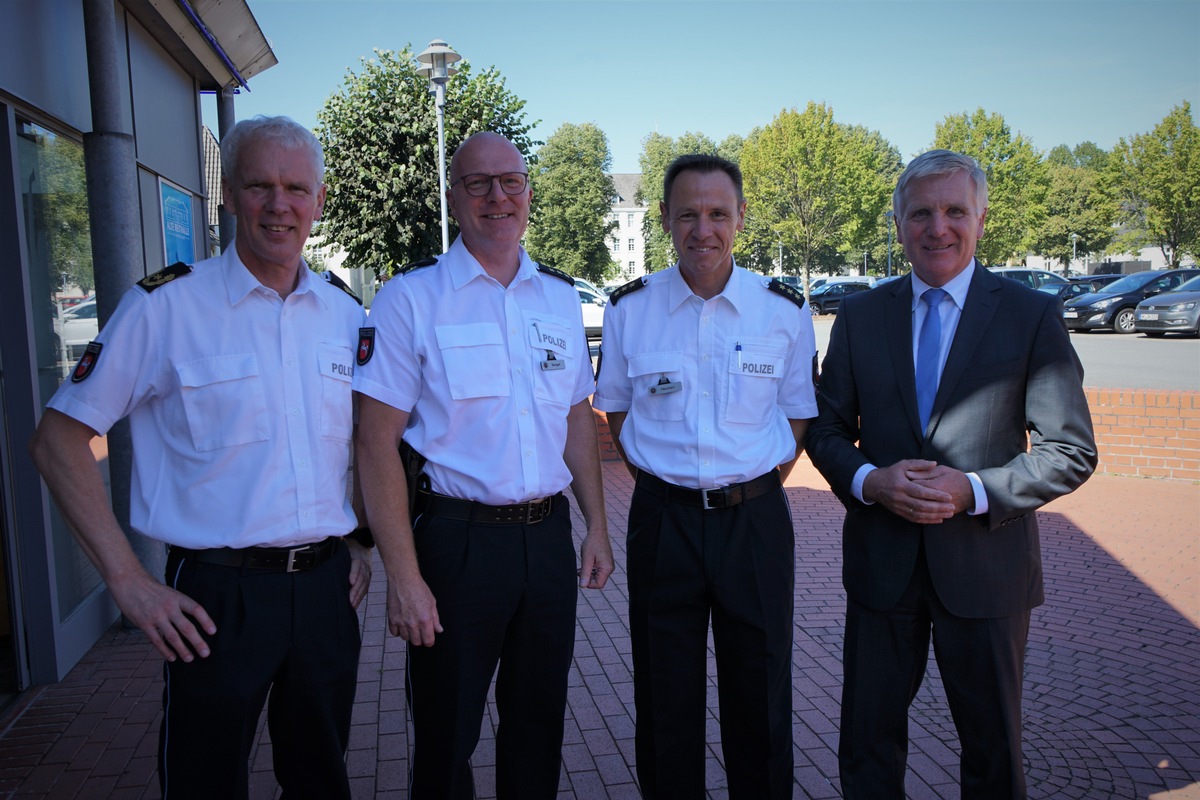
x,y
475,360
553,367
336,364
754,372
223,401
657,385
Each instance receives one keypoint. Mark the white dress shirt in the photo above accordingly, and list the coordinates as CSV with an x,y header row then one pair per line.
x,y
239,405
471,359
742,362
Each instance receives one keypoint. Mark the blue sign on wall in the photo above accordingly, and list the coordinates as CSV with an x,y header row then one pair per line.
x,y
177,223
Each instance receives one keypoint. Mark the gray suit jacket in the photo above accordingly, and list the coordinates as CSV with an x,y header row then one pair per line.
x,y
1010,407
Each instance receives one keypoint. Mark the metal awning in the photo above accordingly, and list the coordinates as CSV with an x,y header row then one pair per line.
x,y
218,42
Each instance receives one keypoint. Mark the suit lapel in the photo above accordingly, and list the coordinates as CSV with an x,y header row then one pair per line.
x,y
976,316
899,318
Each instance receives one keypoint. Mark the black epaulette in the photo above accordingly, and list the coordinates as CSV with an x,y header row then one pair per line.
x,y
164,276
546,269
786,290
334,280
628,288
424,262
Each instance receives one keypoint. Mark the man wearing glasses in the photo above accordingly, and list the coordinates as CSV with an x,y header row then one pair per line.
x,y
479,362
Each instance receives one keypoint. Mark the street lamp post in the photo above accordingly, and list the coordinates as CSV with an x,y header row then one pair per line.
x,y
864,263
437,59
1074,242
890,215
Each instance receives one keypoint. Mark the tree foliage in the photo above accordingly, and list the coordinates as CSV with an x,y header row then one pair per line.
x,y
1077,205
658,152
817,187
1016,177
379,132
1156,176
572,196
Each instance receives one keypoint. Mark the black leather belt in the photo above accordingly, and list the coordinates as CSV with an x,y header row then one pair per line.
x,y
722,497
531,513
277,559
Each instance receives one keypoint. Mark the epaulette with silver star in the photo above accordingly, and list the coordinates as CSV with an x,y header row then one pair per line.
x,y
164,276
424,262
628,288
334,280
787,290
546,269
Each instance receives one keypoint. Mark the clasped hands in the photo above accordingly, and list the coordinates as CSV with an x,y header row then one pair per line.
x,y
920,491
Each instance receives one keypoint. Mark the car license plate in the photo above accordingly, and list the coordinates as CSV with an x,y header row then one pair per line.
x,y
1150,317
1070,315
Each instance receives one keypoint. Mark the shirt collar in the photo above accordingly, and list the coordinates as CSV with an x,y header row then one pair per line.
x,y
957,287
465,268
733,293
240,282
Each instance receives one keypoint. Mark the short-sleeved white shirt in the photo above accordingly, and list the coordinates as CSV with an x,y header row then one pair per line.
x,y
464,355
239,405
743,362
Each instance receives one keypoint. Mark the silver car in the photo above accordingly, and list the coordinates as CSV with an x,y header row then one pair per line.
x,y
1177,311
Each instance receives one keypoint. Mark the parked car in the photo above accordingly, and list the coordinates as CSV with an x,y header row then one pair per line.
x,y
1114,306
584,283
593,311
78,326
1176,311
1067,290
818,282
1097,282
826,299
1033,278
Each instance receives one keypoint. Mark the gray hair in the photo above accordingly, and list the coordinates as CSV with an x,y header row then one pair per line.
x,y
940,164
283,131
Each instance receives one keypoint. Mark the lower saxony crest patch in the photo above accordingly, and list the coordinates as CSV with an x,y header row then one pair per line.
x,y
366,345
87,362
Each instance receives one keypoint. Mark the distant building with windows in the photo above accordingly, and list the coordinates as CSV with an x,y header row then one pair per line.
x,y
625,243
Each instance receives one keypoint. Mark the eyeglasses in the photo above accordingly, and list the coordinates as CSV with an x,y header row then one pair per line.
x,y
477,185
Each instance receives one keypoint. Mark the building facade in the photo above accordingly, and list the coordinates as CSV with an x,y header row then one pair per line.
x,y
626,243
102,183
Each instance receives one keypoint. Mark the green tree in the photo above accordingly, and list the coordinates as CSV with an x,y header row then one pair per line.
x,y
1079,214
1016,181
572,196
380,137
1156,177
657,153
816,187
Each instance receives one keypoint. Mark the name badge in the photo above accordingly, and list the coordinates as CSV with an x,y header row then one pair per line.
x,y
553,363
666,387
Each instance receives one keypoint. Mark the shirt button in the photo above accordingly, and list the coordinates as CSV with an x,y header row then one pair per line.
x,y
529,454
705,463
524,411
295,412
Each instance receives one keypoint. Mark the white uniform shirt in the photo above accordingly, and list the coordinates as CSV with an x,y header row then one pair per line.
x,y
239,405
464,354
743,360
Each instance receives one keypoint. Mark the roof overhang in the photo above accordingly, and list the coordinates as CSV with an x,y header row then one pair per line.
x,y
218,42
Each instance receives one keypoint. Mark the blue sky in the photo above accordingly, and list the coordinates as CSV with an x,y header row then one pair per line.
x,y
1059,71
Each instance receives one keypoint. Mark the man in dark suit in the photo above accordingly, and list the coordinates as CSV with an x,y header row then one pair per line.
x,y
942,440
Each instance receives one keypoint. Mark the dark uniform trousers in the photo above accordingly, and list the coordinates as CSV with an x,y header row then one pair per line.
x,y
505,593
293,636
737,564
981,662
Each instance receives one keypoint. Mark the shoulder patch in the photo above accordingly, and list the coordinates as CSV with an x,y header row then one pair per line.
x,y
546,269
334,280
790,292
424,262
628,288
164,276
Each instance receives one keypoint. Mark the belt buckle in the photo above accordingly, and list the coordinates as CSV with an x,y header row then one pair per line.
x,y
537,511
291,560
717,493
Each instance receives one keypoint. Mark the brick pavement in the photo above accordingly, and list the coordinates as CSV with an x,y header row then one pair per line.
x,y
1112,682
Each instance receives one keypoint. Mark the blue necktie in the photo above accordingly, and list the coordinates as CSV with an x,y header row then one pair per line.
x,y
929,349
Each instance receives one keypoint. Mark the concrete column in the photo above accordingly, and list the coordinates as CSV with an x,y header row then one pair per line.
x,y
225,122
110,162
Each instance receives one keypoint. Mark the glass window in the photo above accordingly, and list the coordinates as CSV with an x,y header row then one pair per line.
x,y
616,245
629,219
57,231
631,241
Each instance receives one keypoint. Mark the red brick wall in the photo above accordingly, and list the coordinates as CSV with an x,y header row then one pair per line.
x,y
1155,434
1151,433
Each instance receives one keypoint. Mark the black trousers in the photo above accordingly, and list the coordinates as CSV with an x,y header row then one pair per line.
x,y
981,663
736,565
293,637
505,595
